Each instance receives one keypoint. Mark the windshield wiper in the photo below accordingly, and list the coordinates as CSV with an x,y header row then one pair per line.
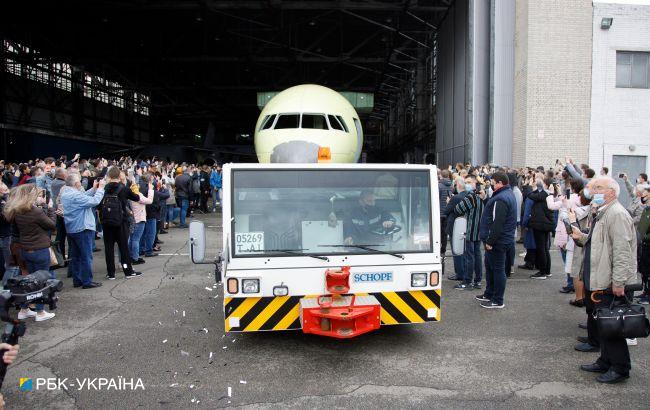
x,y
367,248
294,252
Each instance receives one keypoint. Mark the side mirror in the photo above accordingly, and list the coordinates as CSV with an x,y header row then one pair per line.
x,y
458,236
197,241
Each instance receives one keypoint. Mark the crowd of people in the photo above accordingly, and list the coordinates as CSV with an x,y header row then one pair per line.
x,y
604,246
50,206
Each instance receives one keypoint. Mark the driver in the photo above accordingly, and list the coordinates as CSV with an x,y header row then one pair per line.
x,y
367,221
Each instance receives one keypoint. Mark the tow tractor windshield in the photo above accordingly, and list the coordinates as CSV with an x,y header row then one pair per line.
x,y
326,212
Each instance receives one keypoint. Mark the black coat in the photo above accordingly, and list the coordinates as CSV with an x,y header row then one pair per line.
x,y
541,218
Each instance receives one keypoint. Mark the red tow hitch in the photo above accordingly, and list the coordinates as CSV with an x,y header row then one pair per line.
x,y
339,316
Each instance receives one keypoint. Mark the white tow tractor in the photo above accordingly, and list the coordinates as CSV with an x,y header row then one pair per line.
x,y
333,249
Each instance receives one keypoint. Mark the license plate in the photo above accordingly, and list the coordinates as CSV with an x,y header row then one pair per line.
x,y
373,277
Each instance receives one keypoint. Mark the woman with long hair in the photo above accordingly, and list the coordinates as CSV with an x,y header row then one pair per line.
x,y
34,219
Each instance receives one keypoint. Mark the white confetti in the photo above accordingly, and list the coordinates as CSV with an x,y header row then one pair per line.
x,y
233,340
205,330
165,341
225,347
183,313
229,391
191,386
160,323
210,355
208,289
193,400
242,382
173,385
184,353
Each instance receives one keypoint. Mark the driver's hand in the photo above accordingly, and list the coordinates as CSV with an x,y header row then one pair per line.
x,y
388,224
348,241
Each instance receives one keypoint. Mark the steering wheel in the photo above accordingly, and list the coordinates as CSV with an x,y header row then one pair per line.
x,y
387,231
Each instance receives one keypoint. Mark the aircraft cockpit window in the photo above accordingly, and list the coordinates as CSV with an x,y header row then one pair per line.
x,y
345,126
286,121
268,122
314,122
334,123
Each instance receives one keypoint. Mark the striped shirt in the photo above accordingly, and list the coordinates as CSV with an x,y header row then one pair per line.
x,y
471,207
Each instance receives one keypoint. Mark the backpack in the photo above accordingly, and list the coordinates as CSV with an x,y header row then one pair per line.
x,y
112,213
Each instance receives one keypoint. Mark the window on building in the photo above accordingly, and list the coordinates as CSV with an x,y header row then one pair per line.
x,y
314,122
632,69
286,121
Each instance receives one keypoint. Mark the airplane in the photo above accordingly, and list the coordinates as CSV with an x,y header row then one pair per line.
x,y
308,123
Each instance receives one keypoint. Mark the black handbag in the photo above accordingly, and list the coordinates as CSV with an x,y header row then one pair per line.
x,y
627,320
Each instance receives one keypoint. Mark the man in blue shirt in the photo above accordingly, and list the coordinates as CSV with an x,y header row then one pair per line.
x,y
497,232
80,226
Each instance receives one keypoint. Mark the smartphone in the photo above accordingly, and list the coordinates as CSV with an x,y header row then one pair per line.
x,y
567,193
621,175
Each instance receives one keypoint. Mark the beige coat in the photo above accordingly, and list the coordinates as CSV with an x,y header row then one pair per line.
x,y
613,248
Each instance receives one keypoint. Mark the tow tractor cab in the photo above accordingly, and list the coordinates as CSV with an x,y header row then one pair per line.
x,y
332,249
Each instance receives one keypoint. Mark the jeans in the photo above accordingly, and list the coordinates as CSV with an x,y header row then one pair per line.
x,y
473,261
172,213
149,235
81,260
134,240
495,274
459,266
543,255
184,205
216,197
36,260
569,279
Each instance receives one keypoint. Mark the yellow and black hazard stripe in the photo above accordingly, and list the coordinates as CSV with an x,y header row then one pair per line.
x,y
283,312
413,306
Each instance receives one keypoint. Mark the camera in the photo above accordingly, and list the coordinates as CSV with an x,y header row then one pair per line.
x,y
37,287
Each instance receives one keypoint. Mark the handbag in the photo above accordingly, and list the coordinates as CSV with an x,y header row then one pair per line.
x,y
56,258
627,320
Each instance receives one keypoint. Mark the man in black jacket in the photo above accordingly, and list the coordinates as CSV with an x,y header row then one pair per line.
x,y
153,215
542,222
116,224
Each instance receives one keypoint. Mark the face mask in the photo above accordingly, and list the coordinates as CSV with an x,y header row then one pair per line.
x,y
469,188
598,199
586,193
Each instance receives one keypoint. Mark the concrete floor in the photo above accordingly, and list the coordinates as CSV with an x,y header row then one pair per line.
x,y
518,357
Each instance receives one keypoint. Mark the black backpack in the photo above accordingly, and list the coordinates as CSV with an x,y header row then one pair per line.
x,y
112,213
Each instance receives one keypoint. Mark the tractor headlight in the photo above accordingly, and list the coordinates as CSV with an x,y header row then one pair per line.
x,y
418,279
250,286
280,291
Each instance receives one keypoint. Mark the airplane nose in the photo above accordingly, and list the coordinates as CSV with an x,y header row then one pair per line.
x,y
295,152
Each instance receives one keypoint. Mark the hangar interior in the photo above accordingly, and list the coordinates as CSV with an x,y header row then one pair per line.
x,y
183,77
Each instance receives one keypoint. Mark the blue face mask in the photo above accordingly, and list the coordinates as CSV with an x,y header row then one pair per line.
x,y
469,188
598,199
586,193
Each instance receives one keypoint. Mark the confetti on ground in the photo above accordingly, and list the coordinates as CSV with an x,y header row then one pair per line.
x,y
191,386
208,289
165,341
242,382
233,340
225,347
160,323
173,385
229,391
183,313
184,353
205,330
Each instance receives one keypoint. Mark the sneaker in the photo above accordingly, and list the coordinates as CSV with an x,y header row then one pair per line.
x,y
139,261
492,305
110,276
476,285
566,289
632,342
539,275
526,267
44,316
644,300
133,274
481,298
461,286
22,315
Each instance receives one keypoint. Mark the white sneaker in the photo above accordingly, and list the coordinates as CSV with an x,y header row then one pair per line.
x,y
44,316
23,316
632,342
